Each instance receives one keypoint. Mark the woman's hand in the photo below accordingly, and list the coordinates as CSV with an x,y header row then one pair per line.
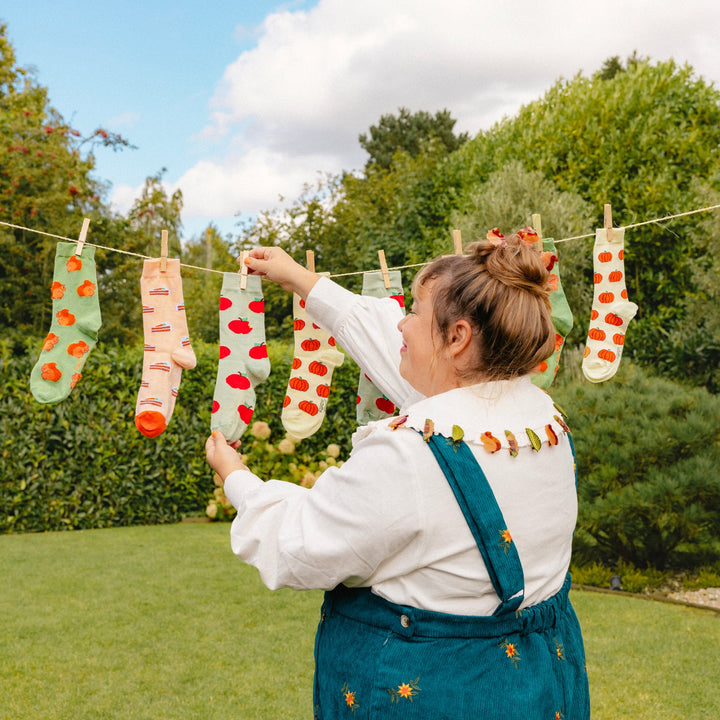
x,y
222,456
276,265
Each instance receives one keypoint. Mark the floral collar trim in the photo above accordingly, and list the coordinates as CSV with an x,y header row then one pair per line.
x,y
492,440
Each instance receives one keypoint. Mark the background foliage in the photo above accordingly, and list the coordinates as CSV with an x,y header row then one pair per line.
x,y
640,135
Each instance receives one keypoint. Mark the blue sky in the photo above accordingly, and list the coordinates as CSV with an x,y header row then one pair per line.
x,y
245,101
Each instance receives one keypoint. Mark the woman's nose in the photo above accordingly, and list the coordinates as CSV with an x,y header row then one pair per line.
x,y
401,323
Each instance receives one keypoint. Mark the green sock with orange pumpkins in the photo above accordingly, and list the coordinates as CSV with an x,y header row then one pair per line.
x,y
76,320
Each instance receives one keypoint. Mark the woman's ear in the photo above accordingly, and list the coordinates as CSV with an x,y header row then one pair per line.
x,y
459,338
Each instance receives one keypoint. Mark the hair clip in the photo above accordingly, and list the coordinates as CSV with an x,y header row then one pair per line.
x,y
549,259
496,238
528,236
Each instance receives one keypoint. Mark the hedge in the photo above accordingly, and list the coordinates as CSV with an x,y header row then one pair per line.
x,y
81,463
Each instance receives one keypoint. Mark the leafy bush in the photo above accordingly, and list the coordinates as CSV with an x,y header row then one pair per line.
x,y
632,579
648,452
82,463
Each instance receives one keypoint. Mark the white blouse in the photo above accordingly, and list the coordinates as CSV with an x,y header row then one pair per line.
x,y
388,518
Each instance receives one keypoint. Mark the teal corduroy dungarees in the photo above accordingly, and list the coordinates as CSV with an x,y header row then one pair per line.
x,y
376,659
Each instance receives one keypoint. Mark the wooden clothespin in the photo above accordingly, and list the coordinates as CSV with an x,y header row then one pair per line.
x,y
607,224
384,268
537,226
82,236
457,241
163,250
310,260
243,269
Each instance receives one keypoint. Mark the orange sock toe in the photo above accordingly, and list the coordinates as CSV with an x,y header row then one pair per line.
x,y
150,423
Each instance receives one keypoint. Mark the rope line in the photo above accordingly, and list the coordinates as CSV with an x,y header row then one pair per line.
x,y
358,272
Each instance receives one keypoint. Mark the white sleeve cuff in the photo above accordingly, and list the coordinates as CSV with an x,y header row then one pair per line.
x,y
239,482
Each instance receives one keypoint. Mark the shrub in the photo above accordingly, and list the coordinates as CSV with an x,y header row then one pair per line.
x,y
647,452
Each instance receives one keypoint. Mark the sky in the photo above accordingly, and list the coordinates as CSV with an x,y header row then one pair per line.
x,y
243,102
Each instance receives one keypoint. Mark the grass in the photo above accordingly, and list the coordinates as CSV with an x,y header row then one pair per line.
x,y
164,623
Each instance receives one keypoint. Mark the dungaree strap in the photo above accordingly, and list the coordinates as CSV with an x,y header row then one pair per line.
x,y
484,518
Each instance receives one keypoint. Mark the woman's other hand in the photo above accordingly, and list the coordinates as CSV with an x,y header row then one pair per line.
x,y
222,456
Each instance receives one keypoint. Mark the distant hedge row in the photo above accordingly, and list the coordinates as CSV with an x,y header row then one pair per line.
x,y
82,463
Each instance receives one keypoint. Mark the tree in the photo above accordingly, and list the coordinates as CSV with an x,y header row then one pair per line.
x,y
201,288
509,198
642,141
138,235
46,182
408,132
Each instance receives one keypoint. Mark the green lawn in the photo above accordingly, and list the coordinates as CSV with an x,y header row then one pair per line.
x,y
163,622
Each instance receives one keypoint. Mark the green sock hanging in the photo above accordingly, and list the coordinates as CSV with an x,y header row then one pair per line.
x,y
75,324
371,403
561,317
244,361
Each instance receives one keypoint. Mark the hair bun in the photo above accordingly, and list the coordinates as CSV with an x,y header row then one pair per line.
x,y
514,261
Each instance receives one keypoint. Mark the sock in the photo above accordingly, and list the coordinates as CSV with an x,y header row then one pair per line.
x,y
611,309
244,361
167,345
561,317
309,386
371,403
75,324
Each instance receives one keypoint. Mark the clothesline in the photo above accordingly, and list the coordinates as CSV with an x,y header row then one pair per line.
x,y
360,272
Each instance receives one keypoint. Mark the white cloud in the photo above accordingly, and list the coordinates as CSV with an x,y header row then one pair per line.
x,y
295,104
248,185
123,196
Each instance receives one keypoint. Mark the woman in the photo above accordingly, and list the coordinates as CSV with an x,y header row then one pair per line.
x,y
444,541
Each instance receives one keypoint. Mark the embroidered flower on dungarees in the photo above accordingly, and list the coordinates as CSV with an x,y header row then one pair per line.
x,y
559,715
405,690
559,649
350,698
506,539
511,651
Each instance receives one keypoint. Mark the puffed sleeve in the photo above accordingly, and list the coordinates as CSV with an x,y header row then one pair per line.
x,y
366,328
355,518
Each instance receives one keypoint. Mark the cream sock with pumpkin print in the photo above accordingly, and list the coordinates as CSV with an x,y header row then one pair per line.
x,y
244,361
75,324
309,386
611,310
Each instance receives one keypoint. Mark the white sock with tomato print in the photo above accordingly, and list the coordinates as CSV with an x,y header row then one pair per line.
x,y
611,309
371,403
309,386
244,361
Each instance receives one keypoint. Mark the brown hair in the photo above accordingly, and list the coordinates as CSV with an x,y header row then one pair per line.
x,y
503,292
